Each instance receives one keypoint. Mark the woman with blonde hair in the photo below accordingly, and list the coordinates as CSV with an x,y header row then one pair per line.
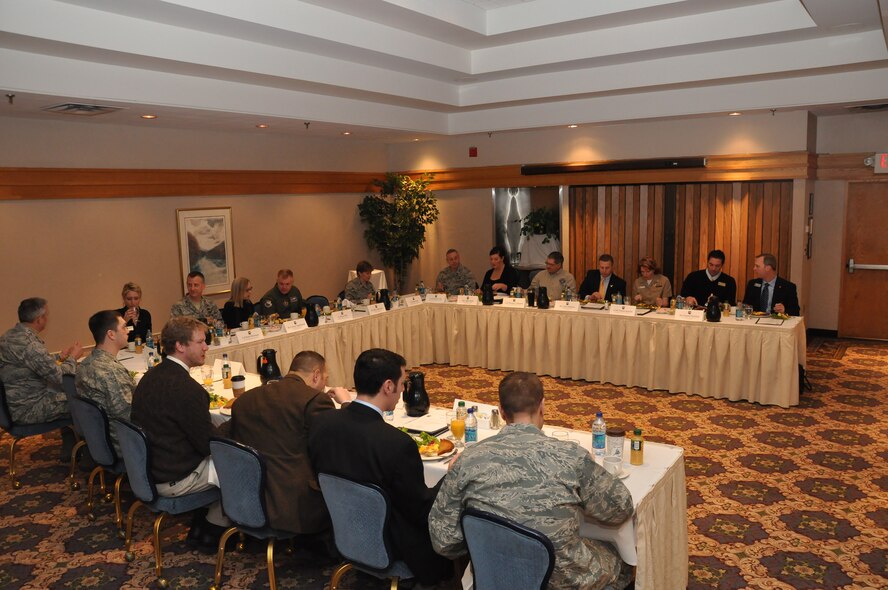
x,y
239,307
136,318
651,287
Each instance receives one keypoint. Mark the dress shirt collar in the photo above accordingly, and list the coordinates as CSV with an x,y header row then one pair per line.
x,y
369,405
178,362
713,277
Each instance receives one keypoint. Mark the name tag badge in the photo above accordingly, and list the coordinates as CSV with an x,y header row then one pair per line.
x,y
294,325
467,300
514,302
411,300
376,308
342,316
628,310
757,285
249,335
436,298
690,315
567,305
720,284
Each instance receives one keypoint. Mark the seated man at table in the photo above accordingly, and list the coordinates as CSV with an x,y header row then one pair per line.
x,y
173,410
33,377
602,284
282,299
101,377
700,284
546,484
454,276
555,279
769,293
360,287
356,443
194,304
275,419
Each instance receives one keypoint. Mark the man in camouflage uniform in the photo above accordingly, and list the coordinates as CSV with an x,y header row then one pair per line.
x,y
282,299
195,305
455,276
32,376
101,377
537,481
360,287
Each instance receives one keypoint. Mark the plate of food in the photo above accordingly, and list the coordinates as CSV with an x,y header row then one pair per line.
x,y
760,314
432,448
217,401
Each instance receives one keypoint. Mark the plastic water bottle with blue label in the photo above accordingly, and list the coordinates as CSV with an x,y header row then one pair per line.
x,y
471,427
599,430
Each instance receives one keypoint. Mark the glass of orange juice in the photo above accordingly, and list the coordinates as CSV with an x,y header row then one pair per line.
x,y
457,428
207,374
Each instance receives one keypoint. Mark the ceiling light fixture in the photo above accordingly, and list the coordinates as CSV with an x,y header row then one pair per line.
x,y
734,114
346,132
572,126
149,116
415,139
262,126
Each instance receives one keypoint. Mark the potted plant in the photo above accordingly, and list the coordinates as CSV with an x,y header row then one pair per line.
x,y
396,220
542,221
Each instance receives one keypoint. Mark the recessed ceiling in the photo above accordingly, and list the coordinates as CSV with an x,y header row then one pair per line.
x,y
395,70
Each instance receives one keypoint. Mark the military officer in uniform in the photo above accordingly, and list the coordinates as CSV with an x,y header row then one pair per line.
x,y
454,276
360,287
282,299
194,304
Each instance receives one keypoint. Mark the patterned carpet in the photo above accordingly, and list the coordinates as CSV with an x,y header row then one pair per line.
x,y
782,499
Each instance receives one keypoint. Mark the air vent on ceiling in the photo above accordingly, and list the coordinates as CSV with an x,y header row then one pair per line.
x,y
82,110
868,108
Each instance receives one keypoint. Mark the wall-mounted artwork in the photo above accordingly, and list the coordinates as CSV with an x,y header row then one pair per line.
x,y
205,245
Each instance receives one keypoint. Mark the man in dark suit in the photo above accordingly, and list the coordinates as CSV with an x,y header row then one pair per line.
x,y
768,292
173,410
700,284
275,419
602,284
356,443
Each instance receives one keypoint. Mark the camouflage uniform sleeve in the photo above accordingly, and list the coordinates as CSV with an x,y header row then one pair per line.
x,y
603,496
178,310
38,360
444,527
120,386
441,280
352,293
211,311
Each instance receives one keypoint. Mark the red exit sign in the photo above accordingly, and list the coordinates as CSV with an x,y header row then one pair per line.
x,y
880,166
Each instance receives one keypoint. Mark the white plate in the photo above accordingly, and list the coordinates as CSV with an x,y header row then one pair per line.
x,y
225,411
438,457
626,471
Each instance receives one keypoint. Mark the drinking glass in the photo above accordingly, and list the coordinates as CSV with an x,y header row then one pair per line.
x,y
457,429
207,374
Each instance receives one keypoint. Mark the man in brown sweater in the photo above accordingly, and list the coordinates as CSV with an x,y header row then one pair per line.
x,y
173,410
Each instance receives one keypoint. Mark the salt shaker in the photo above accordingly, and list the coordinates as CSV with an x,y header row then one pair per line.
x,y
495,423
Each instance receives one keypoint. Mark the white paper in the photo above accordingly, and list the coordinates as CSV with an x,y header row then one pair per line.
x,y
690,315
628,310
253,335
376,308
515,302
467,300
769,322
342,316
411,300
436,298
567,305
294,325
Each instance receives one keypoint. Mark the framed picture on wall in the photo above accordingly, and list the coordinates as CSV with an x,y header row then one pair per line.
x,y
206,245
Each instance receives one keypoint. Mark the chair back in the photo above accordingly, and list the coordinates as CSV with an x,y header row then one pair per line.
x,y
317,300
241,472
360,514
70,389
93,422
5,415
136,451
506,555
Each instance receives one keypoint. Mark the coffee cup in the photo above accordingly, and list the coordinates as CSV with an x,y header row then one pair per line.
x,y
238,384
295,315
131,346
244,325
613,465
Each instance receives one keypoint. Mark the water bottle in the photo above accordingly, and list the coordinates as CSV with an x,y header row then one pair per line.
x,y
149,341
599,429
619,297
150,359
471,427
422,289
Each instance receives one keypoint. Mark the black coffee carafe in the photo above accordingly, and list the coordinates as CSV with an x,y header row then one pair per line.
x,y
543,298
311,316
383,297
416,399
487,294
267,366
713,309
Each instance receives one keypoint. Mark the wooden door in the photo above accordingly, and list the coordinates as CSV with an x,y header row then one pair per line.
x,y
862,297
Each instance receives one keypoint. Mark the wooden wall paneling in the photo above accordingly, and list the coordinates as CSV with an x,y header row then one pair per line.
x,y
643,222
784,243
634,223
659,199
600,224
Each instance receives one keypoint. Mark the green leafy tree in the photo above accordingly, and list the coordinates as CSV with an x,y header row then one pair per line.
x,y
396,220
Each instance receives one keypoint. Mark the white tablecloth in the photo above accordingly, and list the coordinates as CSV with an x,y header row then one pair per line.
x,y
736,360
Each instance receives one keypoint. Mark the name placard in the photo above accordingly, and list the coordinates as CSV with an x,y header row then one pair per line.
x,y
690,315
376,308
343,316
622,309
467,300
567,305
514,302
252,335
436,298
411,300
294,325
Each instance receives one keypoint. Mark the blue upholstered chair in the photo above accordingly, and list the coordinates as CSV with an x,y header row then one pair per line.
x,y
241,472
20,431
96,432
317,300
360,513
70,390
136,452
506,555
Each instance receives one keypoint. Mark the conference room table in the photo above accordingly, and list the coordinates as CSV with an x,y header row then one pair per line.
x,y
654,539
731,359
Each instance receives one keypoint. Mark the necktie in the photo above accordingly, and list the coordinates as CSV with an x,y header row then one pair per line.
x,y
763,303
601,289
